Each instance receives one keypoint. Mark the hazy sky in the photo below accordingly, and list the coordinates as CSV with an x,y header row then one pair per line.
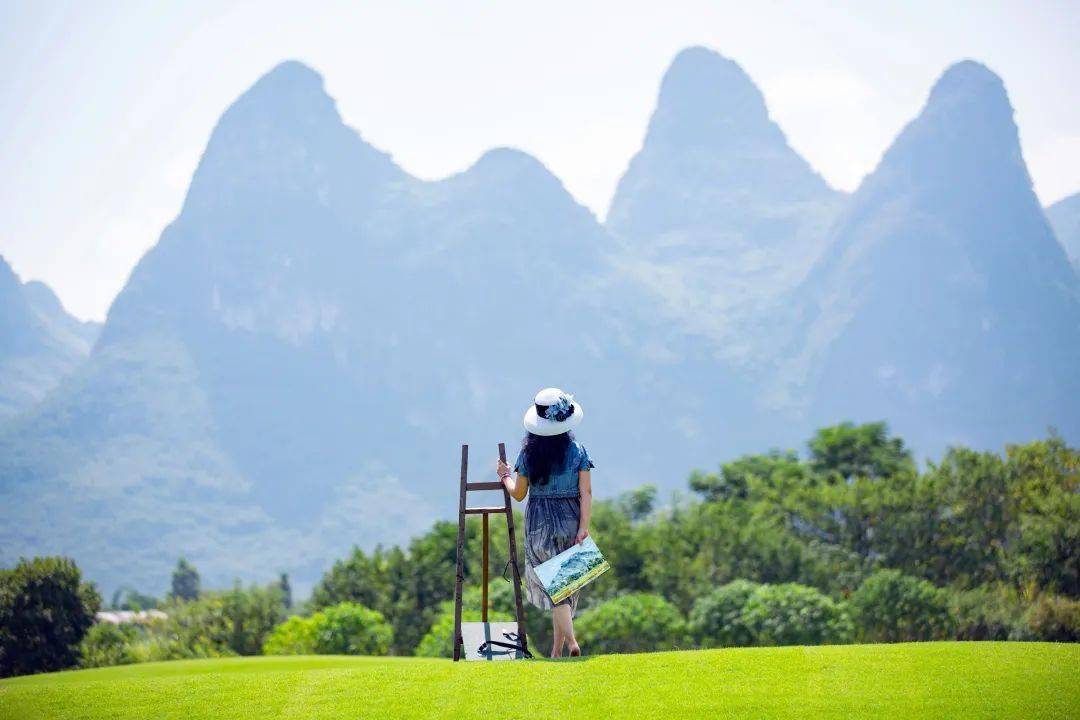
x,y
106,106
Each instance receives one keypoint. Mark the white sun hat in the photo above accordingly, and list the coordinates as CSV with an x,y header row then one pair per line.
x,y
553,412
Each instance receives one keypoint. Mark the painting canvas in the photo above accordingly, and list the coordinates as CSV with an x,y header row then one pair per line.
x,y
571,570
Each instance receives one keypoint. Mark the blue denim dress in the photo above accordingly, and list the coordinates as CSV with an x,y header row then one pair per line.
x,y
551,519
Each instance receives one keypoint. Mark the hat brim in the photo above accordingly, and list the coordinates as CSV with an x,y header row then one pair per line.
x,y
542,426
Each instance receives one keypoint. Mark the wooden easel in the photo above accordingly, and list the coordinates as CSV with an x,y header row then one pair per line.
x,y
463,511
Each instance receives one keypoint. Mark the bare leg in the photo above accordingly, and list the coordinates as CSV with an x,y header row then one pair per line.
x,y
558,639
563,619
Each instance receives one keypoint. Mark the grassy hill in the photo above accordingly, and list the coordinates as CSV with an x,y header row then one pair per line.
x,y
933,680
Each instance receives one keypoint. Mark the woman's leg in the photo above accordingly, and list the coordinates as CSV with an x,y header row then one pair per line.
x,y
557,637
563,619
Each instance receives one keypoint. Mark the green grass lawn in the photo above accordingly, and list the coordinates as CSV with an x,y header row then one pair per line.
x,y
932,680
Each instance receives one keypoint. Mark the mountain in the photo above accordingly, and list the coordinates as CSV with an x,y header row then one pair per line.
x,y
719,216
39,341
1064,217
944,303
290,369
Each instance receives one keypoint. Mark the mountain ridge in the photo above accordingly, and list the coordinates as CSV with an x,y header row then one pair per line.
x,y
928,248
40,342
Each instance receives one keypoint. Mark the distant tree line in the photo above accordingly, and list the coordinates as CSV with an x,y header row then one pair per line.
x,y
852,543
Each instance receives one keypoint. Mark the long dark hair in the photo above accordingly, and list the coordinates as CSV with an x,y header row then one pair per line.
x,y
544,453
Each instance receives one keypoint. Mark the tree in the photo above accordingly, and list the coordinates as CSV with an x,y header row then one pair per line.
x,y
1046,478
892,607
185,581
45,611
286,591
638,504
775,469
359,578
127,598
252,614
848,451
631,623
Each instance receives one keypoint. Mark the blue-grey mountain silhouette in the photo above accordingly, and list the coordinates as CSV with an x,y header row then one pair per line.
x,y
39,342
719,216
1064,217
944,303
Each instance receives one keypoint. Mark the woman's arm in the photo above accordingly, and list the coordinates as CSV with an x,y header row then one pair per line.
x,y
585,487
518,488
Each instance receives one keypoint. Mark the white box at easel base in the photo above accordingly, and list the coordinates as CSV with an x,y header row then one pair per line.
x,y
477,635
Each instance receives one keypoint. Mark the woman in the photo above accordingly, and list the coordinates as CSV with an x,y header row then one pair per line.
x,y
555,468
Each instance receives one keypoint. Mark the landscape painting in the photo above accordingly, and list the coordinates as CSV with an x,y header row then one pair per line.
x,y
571,570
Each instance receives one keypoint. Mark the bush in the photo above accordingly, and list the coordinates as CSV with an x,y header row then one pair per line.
x,y
892,607
343,629
295,636
106,644
716,620
631,623
45,611
1054,619
987,613
793,614
352,629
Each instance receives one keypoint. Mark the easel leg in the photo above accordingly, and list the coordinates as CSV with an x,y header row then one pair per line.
x,y
484,575
460,552
518,607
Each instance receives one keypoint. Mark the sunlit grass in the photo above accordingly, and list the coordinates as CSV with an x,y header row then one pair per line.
x,y
929,680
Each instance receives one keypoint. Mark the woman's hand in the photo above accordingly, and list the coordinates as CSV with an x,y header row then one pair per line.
x,y
502,469
582,533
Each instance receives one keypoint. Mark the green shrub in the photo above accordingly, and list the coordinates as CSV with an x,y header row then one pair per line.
x,y
716,620
892,607
45,611
793,614
106,644
352,629
342,629
296,636
632,623
1054,619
